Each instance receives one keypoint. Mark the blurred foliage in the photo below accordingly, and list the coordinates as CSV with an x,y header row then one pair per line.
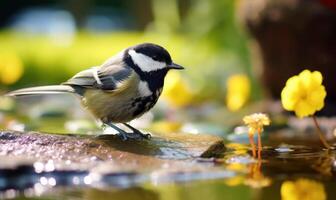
x,y
11,68
205,39
238,91
45,61
177,91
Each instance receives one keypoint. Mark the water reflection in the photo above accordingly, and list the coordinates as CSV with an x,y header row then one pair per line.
x,y
255,178
302,189
125,194
285,171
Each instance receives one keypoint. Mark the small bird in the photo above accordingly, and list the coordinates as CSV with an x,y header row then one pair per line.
x,y
123,88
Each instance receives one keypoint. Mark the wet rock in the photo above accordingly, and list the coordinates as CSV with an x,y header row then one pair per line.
x,y
42,161
106,153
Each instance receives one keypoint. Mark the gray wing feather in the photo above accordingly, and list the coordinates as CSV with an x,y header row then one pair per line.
x,y
84,79
112,76
107,77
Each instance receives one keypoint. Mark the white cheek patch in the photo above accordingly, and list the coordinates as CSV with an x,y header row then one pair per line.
x,y
146,63
144,89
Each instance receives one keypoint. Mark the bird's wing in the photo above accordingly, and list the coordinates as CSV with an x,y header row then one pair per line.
x,y
109,78
84,79
112,75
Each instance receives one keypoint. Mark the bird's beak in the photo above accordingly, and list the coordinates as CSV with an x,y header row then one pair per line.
x,y
175,66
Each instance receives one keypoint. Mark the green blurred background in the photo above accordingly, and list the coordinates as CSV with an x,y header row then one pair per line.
x,y
47,42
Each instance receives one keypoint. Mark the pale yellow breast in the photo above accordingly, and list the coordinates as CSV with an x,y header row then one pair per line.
x,y
113,106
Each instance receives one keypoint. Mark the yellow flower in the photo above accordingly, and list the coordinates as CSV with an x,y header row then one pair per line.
x,y
256,122
176,90
11,68
302,189
304,93
238,91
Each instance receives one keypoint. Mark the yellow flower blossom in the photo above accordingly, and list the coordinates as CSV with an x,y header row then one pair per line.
x,y
303,189
304,93
256,122
11,68
238,91
176,90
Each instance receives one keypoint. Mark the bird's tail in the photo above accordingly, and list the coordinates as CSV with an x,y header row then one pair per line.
x,y
50,89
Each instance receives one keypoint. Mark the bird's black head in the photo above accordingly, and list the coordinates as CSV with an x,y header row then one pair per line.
x,y
151,57
154,51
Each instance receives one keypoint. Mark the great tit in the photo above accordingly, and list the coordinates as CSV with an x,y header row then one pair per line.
x,y
123,88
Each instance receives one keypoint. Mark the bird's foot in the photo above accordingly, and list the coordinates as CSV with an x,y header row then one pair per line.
x,y
142,135
123,135
136,135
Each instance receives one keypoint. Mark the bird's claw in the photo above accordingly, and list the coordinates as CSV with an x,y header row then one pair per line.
x,y
123,136
147,136
142,135
137,135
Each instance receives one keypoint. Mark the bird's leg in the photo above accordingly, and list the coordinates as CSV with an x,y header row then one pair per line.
x,y
137,132
121,133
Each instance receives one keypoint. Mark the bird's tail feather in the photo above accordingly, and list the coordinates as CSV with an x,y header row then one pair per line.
x,y
50,89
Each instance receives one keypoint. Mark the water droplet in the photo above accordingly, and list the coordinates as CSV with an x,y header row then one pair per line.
x,y
10,194
87,180
283,149
49,166
39,167
240,159
76,180
43,180
52,181
39,189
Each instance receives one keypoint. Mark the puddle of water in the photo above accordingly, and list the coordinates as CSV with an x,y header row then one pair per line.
x,y
283,172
